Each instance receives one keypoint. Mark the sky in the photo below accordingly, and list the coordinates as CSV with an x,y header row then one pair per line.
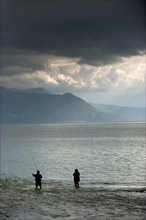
x,y
94,49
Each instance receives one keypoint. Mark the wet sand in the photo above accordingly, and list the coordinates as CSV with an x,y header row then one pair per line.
x,y
56,200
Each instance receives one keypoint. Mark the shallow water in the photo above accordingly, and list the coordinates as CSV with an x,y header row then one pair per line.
x,y
58,200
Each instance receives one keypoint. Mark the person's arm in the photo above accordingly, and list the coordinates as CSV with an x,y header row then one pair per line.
x,y
33,174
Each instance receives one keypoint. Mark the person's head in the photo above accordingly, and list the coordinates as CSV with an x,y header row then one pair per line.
x,y
38,171
76,170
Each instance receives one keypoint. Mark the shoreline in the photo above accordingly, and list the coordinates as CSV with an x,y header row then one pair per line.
x,y
19,200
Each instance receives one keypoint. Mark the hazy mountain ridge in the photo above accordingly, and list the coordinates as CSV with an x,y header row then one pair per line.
x,y
19,106
123,113
37,90
40,106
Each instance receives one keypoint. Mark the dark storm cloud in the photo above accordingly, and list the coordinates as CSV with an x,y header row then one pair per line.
x,y
97,32
16,62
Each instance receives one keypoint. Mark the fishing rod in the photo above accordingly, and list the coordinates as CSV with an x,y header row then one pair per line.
x,y
33,161
65,168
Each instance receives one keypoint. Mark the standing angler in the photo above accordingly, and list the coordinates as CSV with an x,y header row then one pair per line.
x,y
38,178
76,175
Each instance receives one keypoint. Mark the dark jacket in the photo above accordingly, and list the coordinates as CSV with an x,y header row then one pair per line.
x,y
38,177
76,176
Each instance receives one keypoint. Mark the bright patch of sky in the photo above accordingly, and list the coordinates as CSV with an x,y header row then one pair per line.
x,y
107,84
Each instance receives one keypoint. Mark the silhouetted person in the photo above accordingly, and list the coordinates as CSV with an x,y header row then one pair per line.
x,y
76,175
38,178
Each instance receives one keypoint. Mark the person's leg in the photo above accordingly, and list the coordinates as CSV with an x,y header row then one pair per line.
x,y
36,185
76,183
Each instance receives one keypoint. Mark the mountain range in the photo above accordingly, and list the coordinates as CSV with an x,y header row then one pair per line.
x,y
41,106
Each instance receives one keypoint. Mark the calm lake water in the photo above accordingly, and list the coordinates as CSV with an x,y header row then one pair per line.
x,y
110,158
103,153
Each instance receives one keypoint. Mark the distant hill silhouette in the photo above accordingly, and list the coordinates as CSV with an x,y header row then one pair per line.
x,y
123,113
38,90
40,106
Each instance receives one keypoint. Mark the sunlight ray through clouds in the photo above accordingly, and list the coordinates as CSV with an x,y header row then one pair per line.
x,y
69,75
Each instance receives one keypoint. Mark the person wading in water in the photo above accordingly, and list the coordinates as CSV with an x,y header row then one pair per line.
x,y
76,175
38,178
